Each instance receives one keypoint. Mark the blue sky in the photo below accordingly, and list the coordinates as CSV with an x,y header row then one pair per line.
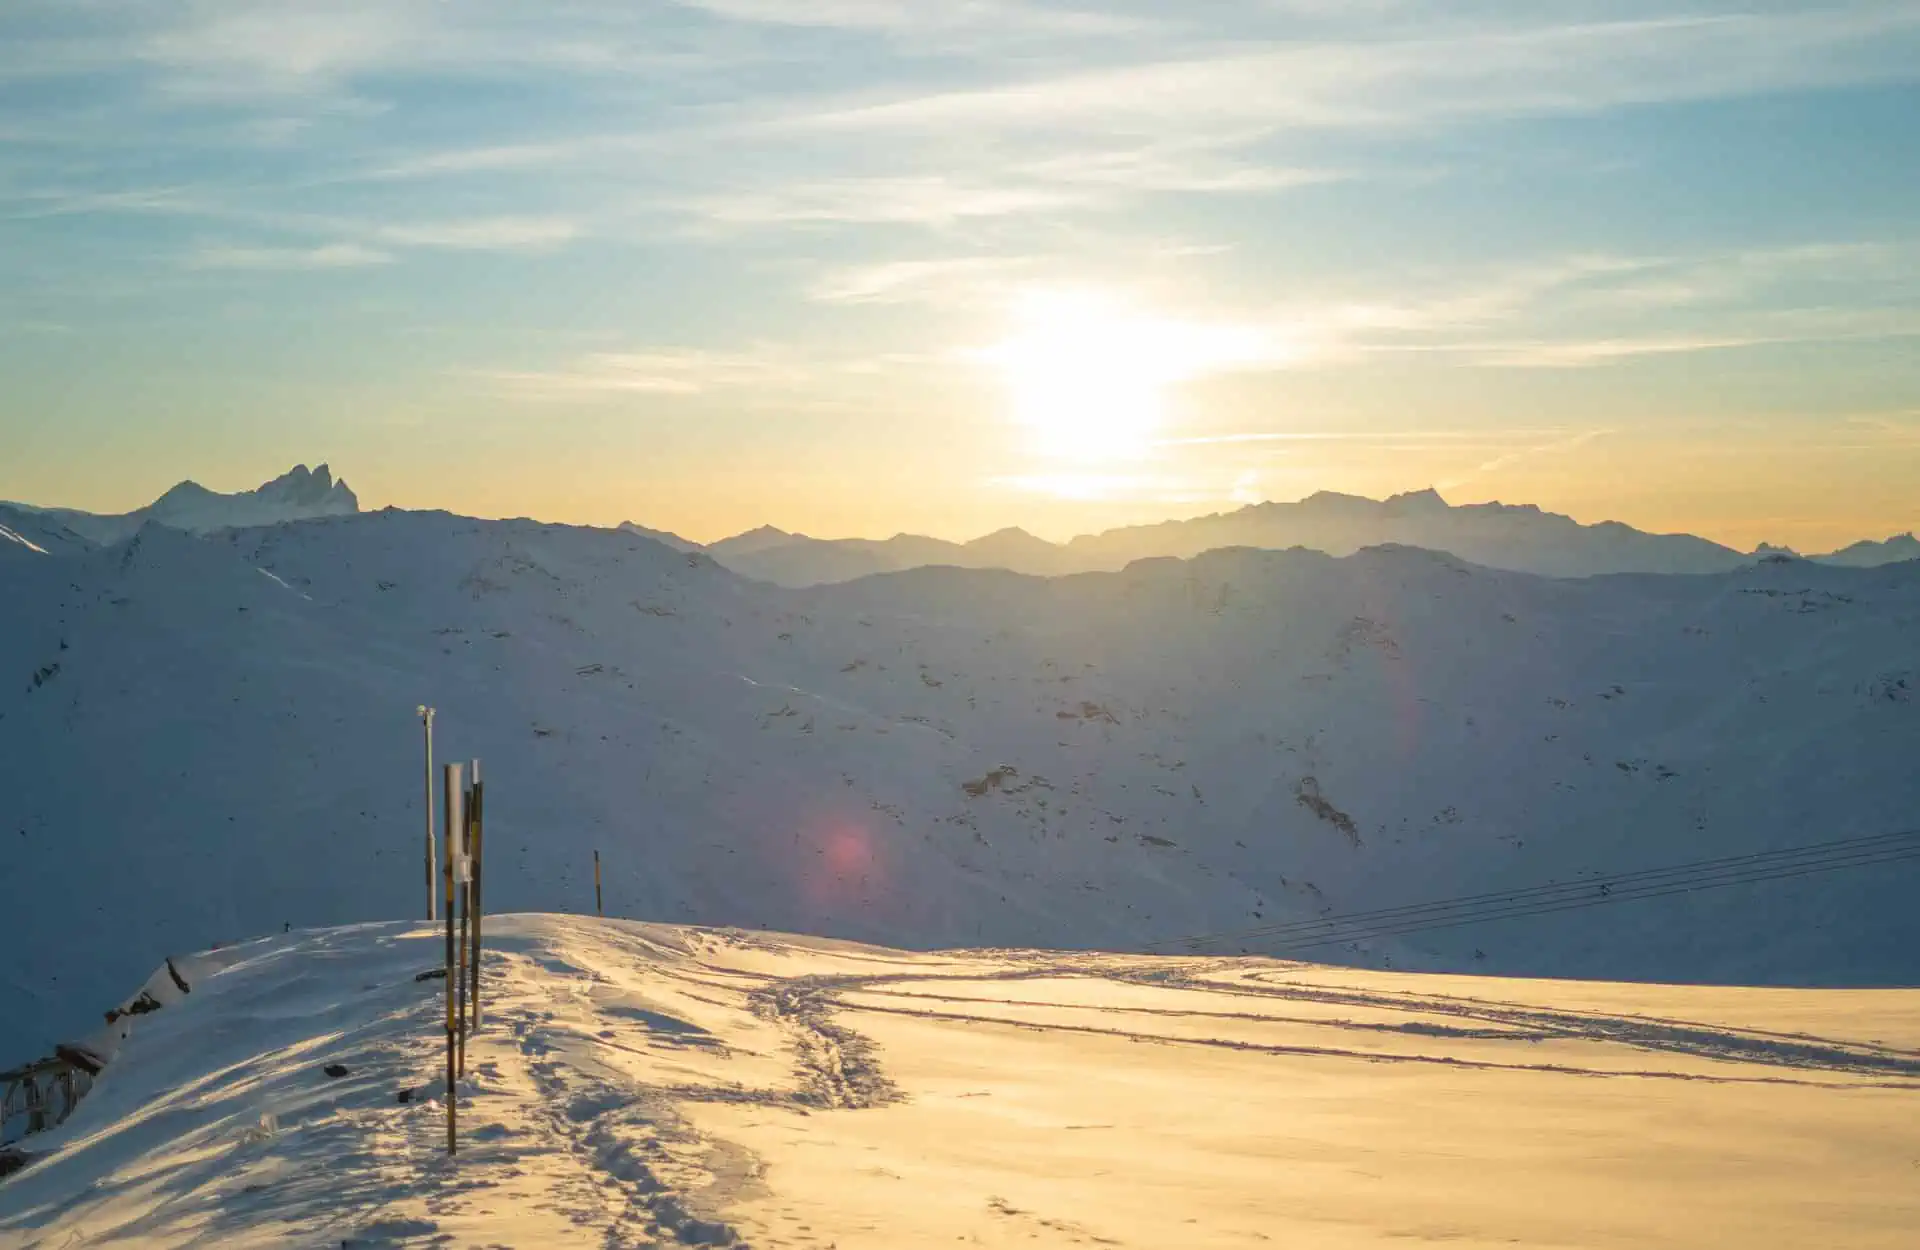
x,y
722,262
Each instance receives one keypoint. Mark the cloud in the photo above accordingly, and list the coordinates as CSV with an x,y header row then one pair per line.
x,y
952,280
926,200
485,234
656,371
325,256
1345,436
1586,310
1488,70
908,17
1510,458
280,47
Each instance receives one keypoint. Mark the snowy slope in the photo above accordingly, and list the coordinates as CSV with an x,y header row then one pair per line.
x,y
663,537
642,1085
295,495
208,738
24,532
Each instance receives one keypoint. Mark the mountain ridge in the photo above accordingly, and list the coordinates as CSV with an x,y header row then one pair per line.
x,y
941,757
296,494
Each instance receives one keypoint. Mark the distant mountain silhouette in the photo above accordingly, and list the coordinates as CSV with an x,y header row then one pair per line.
x,y
294,495
1867,554
1508,536
772,555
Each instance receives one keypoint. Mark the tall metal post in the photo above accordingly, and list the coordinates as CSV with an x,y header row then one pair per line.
x,y
461,879
598,910
426,720
474,909
453,818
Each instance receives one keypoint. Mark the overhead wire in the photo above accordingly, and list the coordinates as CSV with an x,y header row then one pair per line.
x,y
1778,864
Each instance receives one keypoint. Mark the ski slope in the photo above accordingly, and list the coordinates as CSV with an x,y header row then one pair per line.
x,y
643,1084
208,739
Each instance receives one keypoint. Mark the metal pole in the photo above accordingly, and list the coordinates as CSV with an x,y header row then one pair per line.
x,y
598,910
462,876
454,816
474,909
426,721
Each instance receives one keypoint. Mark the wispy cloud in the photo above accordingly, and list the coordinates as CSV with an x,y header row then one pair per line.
x,y
279,47
960,279
1587,310
1511,458
658,371
1002,17
325,256
486,234
1349,436
927,200
1505,69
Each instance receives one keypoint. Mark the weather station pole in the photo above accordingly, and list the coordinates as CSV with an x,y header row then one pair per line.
x,y
426,720
475,860
454,816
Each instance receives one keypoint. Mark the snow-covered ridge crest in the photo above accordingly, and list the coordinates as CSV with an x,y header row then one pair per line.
x,y
298,494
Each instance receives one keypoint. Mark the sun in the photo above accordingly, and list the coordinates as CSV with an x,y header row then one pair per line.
x,y
1088,376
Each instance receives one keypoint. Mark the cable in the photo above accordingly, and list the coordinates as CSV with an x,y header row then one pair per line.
x,y
1814,851
1589,892
1598,901
1593,892
1350,931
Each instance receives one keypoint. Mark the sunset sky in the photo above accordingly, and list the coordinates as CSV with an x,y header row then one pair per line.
x,y
861,266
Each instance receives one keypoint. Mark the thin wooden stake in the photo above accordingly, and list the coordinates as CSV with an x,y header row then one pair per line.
x,y
598,910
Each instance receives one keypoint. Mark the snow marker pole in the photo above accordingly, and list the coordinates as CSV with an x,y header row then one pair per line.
x,y
453,816
473,900
426,720
598,910
463,879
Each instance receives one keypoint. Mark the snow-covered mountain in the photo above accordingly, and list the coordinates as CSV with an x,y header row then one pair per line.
x,y
795,560
1506,536
295,495
1867,554
1519,537
207,738
663,537
25,532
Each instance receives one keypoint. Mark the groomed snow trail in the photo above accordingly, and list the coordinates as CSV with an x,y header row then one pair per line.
x,y
641,1085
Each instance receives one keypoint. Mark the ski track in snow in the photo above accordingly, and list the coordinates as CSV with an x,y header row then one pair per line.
x,y
640,1084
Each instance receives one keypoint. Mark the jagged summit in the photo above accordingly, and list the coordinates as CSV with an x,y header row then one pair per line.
x,y
295,495
299,485
1415,501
